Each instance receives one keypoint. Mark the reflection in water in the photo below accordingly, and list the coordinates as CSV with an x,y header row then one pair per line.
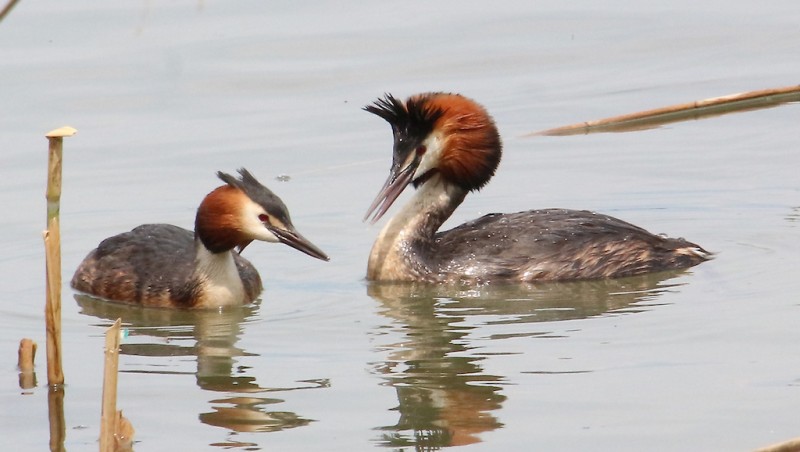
x,y
250,414
445,398
211,337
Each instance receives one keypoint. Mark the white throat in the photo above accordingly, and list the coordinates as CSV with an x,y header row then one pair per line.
x,y
221,283
434,197
406,242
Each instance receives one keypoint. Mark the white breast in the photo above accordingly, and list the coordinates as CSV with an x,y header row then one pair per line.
x,y
221,283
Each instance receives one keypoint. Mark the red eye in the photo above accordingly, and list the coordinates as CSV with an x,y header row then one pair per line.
x,y
421,150
264,218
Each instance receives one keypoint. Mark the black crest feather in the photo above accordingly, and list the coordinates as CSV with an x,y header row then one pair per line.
x,y
258,193
413,119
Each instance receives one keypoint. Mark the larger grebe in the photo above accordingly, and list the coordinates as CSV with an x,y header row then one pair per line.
x,y
166,266
447,145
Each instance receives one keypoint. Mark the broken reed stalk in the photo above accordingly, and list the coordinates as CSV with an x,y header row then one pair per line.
x,y
108,413
52,246
123,436
26,355
681,112
25,359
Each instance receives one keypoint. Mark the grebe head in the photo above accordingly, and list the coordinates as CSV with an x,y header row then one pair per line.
x,y
243,210
436,133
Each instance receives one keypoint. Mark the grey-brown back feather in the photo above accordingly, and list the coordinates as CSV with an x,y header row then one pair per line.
x,y
152,265
557,244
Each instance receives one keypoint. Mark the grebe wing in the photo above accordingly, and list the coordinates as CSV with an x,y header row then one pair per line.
x,y
152,258
552,244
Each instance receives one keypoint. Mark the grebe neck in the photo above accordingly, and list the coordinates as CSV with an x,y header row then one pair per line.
x,y
220,279
406,245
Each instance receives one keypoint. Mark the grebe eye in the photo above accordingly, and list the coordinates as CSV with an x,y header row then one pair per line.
x,y
421,150
264,218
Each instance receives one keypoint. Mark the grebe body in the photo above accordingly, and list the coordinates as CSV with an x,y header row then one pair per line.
x,y
446,145
162,265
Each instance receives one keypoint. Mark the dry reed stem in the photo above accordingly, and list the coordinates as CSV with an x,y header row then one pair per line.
x,y
52,244
26,355
55,372
108,413
25,359
788,446
681,112
124,432
7,9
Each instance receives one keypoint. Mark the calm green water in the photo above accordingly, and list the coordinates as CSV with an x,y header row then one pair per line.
x,y
164,95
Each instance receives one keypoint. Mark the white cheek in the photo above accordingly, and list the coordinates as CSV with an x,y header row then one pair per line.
x,y
252,226
265,235
433,152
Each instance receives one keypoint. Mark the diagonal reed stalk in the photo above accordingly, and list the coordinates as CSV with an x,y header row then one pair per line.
x,y
732,103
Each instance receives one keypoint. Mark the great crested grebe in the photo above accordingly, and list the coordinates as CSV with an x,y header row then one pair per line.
x,y
162,265
447,145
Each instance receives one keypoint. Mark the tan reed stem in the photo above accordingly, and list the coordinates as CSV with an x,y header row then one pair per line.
x,y
52,245
108,413
681,112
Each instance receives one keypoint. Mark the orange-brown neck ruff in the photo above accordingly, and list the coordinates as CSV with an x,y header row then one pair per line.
x,y
218,224
471,144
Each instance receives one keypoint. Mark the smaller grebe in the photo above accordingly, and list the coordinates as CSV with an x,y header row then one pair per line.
x,y
447,145
162,265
